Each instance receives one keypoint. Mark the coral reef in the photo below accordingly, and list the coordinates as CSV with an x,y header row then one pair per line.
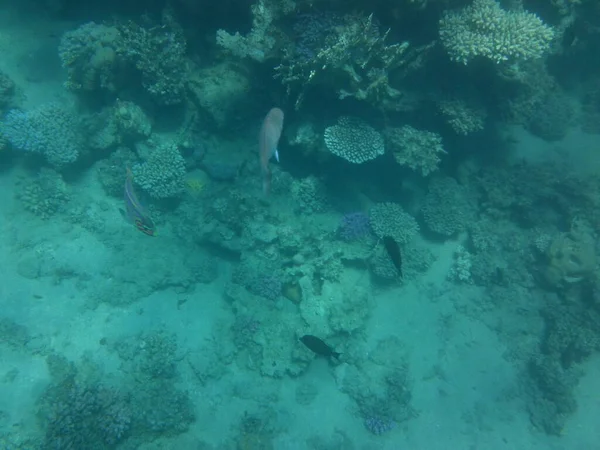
x,y
89,54
44,196
448,208
7,92
389,219
485,29
354,60
97,58
162,175
571,257
417,149
85,416
49,130
260,43
465,116
158,54
354,140
354,226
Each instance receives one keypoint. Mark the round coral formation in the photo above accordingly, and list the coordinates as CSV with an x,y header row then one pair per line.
x,y
354,140
389,219
162,175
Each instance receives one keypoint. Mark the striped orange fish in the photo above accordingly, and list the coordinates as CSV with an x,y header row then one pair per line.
x,y
134,211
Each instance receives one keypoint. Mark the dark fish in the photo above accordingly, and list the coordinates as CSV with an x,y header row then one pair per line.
x,y
135,212
318,346
393,251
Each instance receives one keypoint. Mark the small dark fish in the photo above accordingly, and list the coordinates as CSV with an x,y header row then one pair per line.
x,y
318,346
393,251
135,212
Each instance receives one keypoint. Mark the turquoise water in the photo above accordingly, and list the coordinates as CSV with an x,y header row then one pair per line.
x,y
472,147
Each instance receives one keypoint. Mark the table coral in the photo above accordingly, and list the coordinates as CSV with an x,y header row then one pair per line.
x,y
354,140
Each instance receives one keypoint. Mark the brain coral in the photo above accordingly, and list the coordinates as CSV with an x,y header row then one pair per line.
x,y
354,140
485,29
389,219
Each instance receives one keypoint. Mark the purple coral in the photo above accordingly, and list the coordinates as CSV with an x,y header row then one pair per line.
x,y
354,226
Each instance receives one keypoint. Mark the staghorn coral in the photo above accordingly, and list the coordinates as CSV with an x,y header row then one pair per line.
x,y
485,29
463,116
355,60
354,140
417,149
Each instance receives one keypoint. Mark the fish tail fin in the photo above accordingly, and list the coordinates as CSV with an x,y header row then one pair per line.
x,y
276,155
266,182
336,355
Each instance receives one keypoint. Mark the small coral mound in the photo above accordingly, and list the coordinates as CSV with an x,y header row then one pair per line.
x,y
46,195
354,140
571,257
417,149
49,130
162,175
448,208
389,219
89,54
464,117
485,29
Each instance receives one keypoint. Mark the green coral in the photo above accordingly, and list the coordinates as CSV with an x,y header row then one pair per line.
x,y
485,29
354,140
389,219
417,149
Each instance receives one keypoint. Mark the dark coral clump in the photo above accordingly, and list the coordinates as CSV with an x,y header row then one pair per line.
x,y
91,417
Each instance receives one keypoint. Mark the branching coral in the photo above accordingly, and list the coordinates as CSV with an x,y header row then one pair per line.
x,y
162,175
485,29
417,149
389,219
571,256
49,130
259,44
355,60
97,57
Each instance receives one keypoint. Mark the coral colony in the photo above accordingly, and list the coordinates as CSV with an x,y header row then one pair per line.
x,y
185,268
